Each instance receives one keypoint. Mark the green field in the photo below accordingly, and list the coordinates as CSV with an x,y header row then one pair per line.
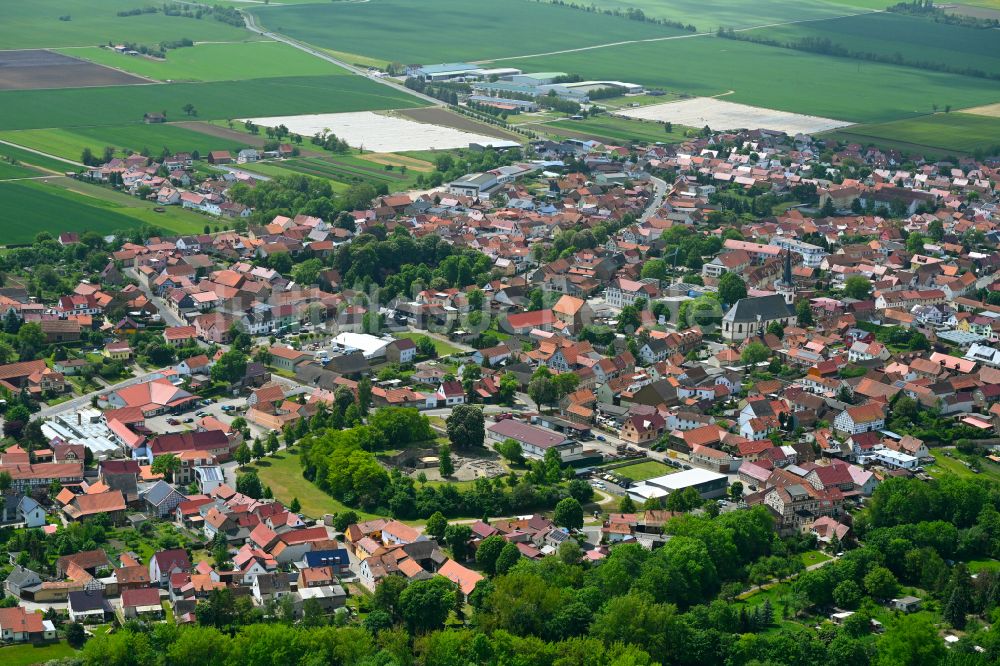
x,y
284,474
775,78
31,206
443,348
945,465
120,105
436,31
940,133
9,171
69,143
35,24
215,62
648,469
610,129
708,16
911,39
25,655
29,158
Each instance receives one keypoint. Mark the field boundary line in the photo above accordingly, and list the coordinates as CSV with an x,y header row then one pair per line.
x,y
39,152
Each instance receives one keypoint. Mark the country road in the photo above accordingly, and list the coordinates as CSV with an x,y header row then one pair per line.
x,y
251,23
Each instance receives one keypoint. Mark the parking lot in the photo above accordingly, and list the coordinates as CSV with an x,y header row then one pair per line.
x,y
224,410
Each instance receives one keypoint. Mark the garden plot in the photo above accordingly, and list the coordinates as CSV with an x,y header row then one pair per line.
x,y
722,115
379,133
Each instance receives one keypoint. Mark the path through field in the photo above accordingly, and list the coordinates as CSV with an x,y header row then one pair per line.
x,y
38,152
672,37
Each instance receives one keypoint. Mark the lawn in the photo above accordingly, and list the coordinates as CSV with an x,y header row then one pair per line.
x,y
939,133
25,655
215,62
473,31
69,143
36,24
610,129
120,105
975,566
814,557
913,39
284,474
953,465
776,78
641,471
67,205
443,348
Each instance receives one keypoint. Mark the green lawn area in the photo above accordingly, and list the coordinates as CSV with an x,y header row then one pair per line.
x,y
66,204
938,133
775,78
215,62
814,557
217,100
641,471
25,655
69,143
610,129
443,348
284,474
953,465
913,39
473,31
975,566
36,24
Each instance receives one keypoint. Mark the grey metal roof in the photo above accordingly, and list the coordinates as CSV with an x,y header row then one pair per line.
x,y
766,307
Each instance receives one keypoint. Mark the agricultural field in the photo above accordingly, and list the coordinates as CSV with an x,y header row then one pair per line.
x,y
349,169
63,204
439,31
941,133
215,62
27,69
37,25
911,39
720,114
709,16
377,132
70,143
10,171
776,78
34,160
612,129
76,107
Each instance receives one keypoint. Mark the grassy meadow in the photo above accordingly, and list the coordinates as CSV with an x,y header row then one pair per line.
x,y
436,31
215,62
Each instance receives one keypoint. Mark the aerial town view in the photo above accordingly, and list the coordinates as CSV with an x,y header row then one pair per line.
x,y
499,333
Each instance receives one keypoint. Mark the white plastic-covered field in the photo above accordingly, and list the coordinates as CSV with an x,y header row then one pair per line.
x,y
721,115
378,133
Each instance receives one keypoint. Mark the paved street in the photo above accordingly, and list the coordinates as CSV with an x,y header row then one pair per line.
x,y
169,318
84,400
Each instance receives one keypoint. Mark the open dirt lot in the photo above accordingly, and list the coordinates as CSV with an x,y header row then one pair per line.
x,y
376,132
722,115
36,68
990,110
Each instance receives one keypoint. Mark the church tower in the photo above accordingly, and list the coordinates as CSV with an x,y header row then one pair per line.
x,y
786,286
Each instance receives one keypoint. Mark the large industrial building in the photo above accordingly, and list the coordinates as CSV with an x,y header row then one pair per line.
x,y
708,484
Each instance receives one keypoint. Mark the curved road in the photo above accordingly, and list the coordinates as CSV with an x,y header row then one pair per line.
x,y
659,192
251,23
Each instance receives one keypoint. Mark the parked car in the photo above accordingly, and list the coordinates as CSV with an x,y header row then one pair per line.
x,y
602,438
173,421
189,420
201,414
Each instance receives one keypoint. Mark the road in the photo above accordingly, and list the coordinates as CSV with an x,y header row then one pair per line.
x,y
243,172
84,400
251,23
659,192
169,317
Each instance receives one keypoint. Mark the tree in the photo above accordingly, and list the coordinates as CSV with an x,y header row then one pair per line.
x,y
777,329
189,109
445,465
272,442
847,594
542,391
242,454
511,450
732,288
166,465
684,500
912,640
387,595
736,491
755,353
258,449
425,604
75,635
344,520
457,537
857,287
803,312
569,514
249,484
626,505
881,583
508,558
295,506
508,388
959,597
436,526
570,551
488,551
306,273
466,426
230,368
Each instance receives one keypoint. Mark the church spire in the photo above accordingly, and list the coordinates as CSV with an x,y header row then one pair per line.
x,y
787,275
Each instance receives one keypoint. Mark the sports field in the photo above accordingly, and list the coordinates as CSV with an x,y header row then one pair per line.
x,y
939,133
776,78
437,31
641,471
914,41
76,107
69,143
35,24
215,62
